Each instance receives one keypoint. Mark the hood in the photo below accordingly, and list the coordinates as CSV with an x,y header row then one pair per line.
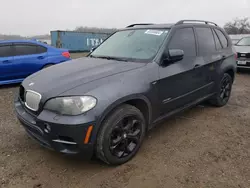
x,y
59,78
242,49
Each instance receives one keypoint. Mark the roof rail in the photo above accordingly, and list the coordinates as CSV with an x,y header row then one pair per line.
x,y
132,25
201,21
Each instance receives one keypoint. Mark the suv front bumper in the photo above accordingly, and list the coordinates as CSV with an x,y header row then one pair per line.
x,y
63,138
243,63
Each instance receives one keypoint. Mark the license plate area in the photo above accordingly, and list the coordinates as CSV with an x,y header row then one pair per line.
x,y
241,62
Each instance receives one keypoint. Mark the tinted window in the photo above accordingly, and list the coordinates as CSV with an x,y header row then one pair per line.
x,y
222,38
205,41
22,49
184,39
41,49
5,51
217,41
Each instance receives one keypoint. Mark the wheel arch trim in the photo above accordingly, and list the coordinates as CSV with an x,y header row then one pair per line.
x,y
122,101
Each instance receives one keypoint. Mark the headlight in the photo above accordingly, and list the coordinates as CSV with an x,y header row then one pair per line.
x,y
71,105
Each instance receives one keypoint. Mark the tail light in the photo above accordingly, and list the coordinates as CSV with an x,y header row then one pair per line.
x,y
236,56
66,54
235,53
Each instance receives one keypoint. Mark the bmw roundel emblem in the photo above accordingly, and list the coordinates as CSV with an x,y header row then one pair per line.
x,y
31,84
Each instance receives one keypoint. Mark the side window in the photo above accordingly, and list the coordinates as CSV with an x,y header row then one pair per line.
x,y
40,49
217,41
184,39
222,38
5,51
23,49
205,41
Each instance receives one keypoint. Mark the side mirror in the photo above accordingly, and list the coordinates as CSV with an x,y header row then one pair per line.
x,y
173,55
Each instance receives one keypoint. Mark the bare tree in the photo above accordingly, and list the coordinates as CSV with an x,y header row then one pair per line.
x,y
238,26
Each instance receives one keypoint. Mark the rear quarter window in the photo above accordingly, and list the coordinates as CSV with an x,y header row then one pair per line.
x,y
217,41
222,38
41,49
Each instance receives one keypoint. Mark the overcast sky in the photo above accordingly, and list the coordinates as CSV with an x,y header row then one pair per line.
x,y
30,17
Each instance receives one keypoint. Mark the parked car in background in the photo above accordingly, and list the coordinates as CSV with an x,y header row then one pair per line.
x,y
20,58
243,53
234,41
139,76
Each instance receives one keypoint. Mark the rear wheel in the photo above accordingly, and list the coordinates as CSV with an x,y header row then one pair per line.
x,y
224,91
121,135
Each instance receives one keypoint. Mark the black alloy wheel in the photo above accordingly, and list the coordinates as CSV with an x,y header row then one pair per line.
x,y
121,135
225,90
125,136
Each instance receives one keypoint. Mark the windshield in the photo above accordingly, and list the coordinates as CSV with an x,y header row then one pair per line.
x,y
244,42
138,44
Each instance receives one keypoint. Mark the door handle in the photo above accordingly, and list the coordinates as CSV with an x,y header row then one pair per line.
x,y
40,57
197,66
6,61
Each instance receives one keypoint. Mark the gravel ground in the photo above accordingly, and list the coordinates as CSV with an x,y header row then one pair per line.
x,y
202,147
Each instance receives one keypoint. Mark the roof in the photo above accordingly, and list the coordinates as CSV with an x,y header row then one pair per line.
x,y
168,26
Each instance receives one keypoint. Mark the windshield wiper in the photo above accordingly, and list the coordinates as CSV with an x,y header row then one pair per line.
x,y
110,58
92,56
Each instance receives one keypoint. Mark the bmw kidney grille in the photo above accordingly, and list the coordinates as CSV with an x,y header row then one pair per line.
x,y
32,100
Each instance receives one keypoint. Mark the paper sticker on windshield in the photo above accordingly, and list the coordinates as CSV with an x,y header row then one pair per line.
x,y
154,32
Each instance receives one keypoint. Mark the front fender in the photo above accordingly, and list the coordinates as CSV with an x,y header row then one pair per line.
x,y
124,100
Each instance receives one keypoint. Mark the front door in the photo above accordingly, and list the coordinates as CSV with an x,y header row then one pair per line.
x,y
178,83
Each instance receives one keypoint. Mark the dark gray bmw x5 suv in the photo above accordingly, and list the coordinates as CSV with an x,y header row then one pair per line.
x,y
104,104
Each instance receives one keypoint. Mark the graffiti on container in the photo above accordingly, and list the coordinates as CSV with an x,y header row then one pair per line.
x,y
94,41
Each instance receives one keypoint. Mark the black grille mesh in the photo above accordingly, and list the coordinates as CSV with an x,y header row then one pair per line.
x,y
21,93
243,55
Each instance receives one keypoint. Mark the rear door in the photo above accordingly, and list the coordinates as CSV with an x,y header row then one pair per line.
x,y
208,58
29,58
6,62
226,50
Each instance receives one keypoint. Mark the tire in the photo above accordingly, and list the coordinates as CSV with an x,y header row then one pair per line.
x,y
223,92
119,127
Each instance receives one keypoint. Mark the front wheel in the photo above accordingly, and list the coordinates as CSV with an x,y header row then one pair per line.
x,y
121,135
224,91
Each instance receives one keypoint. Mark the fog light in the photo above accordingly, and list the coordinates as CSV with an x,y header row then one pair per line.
x,y
47,128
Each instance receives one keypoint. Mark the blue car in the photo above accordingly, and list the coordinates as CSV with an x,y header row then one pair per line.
x,y
20,58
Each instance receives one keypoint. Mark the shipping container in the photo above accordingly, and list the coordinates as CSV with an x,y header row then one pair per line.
x,y
77,41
